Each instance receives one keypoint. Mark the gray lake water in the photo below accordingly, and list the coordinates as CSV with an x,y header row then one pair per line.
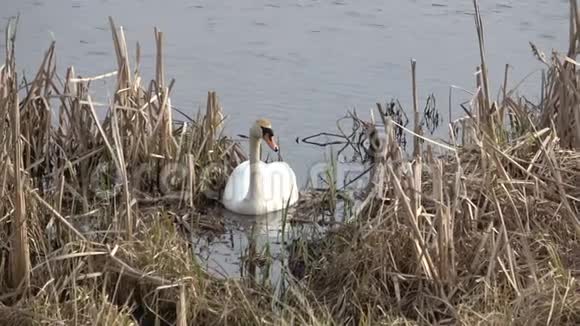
x,y
302,64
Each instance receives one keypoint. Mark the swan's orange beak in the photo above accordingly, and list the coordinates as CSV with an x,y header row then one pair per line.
x,y
271,142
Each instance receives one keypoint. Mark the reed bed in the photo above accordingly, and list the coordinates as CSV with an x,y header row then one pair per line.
x,y
97,200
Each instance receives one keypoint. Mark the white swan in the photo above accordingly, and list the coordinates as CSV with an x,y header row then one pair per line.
x,y
256,188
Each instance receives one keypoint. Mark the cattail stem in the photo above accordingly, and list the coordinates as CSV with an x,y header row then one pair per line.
x,y
20,258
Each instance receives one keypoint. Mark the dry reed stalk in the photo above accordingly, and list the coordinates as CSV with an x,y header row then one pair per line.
x,y
164,101
182,308
416,119
121,168
421,252
56,214
484,73
123,72
191,179
444,222
20,255
502,113
115,155
19,252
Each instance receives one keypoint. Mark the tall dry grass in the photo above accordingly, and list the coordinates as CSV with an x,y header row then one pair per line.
x,y
484,230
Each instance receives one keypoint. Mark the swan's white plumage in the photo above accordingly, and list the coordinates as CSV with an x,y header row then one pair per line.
x,y
279,189
255,187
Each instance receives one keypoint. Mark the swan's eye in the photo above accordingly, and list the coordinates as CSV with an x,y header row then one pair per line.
x,y
267,133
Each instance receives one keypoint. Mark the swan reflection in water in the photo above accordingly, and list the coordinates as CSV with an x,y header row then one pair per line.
x,y
224,255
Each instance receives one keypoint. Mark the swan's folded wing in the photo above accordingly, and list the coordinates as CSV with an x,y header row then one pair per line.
x,y
238,184
280,184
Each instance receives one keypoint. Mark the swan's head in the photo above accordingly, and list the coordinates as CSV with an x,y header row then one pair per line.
x,y
263,129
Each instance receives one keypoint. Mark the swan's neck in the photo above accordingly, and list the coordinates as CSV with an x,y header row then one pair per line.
x,y
255,190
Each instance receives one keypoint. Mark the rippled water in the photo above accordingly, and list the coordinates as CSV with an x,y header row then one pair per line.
x,y
300,63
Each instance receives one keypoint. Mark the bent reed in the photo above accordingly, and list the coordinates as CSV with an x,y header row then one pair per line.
x,y
482,230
